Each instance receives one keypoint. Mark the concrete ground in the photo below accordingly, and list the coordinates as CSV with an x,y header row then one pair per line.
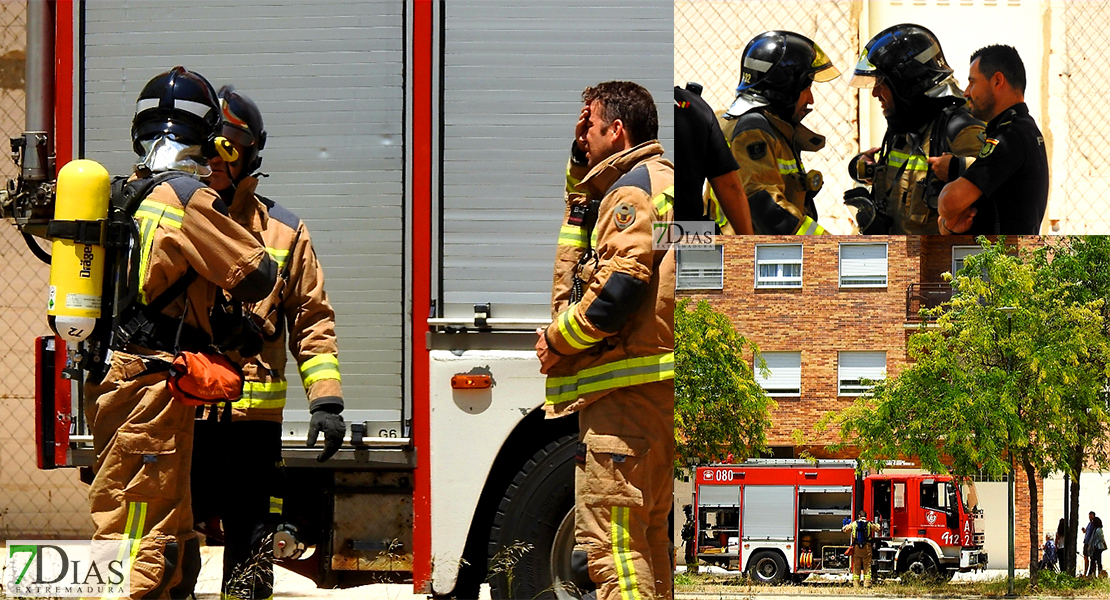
x,y
288,584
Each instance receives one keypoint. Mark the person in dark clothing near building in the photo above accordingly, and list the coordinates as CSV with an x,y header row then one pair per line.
x,y
688,532
702,153
1006,190
1096,546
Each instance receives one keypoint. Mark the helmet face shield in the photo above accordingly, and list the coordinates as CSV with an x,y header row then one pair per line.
x,y
907,57
164,153
238,135
823,68
865,75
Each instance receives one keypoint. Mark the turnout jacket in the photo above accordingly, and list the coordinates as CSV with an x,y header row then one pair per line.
x,y
184,224
620,331
296,309
768,150
902,168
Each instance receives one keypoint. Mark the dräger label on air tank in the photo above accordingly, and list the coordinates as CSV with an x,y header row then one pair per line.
x,y
83,301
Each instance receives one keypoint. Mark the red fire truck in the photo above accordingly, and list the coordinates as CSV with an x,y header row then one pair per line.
x,y
782,518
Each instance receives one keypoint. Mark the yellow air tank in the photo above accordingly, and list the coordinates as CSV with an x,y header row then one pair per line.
x,y
77,269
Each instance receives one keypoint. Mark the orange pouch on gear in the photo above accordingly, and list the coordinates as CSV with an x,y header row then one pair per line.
x,y
198,378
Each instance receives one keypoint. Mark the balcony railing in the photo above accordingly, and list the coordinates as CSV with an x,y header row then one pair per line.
x,y
925,295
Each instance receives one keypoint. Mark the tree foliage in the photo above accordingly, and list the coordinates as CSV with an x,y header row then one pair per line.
x,y
720,409
1008,371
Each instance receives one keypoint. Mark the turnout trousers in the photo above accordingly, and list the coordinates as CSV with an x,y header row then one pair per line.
x,y
624,489
140,489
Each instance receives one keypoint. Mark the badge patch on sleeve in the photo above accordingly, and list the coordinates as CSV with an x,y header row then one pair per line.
x,y
988,146
757,150
624,215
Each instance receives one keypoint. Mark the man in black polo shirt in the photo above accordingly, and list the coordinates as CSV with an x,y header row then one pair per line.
x,y
702,153
1005,191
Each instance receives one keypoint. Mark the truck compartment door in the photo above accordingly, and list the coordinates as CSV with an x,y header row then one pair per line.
x,y
769,512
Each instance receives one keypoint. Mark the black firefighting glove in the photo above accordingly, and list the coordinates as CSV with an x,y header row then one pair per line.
x,y
326,419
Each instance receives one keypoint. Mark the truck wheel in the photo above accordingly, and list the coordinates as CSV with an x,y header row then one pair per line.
x,y
921,565
767,567
533,530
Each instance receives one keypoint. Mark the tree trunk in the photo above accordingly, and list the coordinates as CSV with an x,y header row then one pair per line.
x,y
1034,526
1072,542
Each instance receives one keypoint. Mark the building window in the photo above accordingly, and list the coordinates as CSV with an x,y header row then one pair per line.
x,y
778,266
701,268
785,376
855,367
959,253
862,265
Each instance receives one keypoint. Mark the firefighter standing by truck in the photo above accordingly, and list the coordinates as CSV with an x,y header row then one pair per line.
x,y
926,117
187,249
764,129
236,470
861,532
609,354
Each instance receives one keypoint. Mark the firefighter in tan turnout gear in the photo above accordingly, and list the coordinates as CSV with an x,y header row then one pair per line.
x,y
926,117
237,457
764,129
861,532
186,249
609,353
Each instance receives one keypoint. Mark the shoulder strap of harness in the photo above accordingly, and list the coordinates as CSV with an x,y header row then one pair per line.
x,y
131,318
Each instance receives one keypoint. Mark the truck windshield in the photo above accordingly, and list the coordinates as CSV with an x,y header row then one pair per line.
x,y
968,496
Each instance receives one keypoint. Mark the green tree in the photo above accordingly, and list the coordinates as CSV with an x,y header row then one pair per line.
x,y
1077,267
719,407
995,385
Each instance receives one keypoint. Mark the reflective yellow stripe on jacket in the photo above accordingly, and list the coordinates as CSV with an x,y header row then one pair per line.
x,y
787,167
150,215
664,201
913,162
810,227
572,332
262,394
318,368
278,255
573,235
718,215
617,374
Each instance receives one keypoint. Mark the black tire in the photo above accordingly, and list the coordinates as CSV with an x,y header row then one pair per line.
x,y
767,567
921,565
536,510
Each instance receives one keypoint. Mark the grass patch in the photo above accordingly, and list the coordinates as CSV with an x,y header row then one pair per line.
x,y
1048,583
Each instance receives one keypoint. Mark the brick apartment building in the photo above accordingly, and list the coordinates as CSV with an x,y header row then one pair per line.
x,y
827,312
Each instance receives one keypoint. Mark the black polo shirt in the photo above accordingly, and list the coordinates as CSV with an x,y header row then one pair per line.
x,y
701,153
1012,172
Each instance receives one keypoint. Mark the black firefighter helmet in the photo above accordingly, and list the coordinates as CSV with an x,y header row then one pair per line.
x,y
908,58
777,66
179,104
243,125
